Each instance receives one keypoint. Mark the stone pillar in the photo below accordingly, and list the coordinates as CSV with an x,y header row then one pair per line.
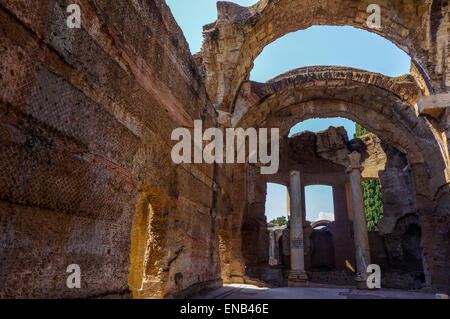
x,y
297,274
361,238
288,206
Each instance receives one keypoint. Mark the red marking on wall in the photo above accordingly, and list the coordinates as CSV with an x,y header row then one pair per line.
x,y
145,77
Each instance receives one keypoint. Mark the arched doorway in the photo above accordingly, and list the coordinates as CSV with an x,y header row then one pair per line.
x,y
323,92
267,21
322,251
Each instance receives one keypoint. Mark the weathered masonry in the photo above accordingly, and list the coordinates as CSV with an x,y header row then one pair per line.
x,y
86,177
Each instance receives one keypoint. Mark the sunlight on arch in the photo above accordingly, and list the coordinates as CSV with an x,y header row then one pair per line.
x,y
330,45
317,125
276,201
319,203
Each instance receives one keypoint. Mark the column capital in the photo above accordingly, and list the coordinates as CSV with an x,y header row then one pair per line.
x,y
354,162
293,173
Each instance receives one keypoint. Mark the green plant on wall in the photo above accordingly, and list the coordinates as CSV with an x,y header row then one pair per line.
x,y
373,201
360,131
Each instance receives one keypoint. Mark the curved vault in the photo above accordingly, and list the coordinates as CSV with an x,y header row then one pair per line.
x,y
239,35
381,104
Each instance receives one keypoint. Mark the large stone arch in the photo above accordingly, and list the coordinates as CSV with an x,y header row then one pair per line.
x,y
239,35
381,104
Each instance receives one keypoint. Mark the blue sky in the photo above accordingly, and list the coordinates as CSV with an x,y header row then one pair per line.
x,y
192,15
319,202
318,45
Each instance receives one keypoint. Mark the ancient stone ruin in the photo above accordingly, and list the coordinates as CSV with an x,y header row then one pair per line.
x,y
87,178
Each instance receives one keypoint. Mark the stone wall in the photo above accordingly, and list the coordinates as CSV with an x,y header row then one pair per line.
x,y
86,175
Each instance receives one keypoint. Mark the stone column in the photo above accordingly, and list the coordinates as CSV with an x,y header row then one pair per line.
x,y
361,238
297,274
288,206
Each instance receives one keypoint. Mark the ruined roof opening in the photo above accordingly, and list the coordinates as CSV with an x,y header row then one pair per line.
x,y
321,124
331,45
191,16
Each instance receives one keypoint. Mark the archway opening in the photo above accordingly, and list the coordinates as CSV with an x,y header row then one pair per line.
x,y
276,204
321,124
322,250
318,45
268,33
277,214
291,104
319,203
